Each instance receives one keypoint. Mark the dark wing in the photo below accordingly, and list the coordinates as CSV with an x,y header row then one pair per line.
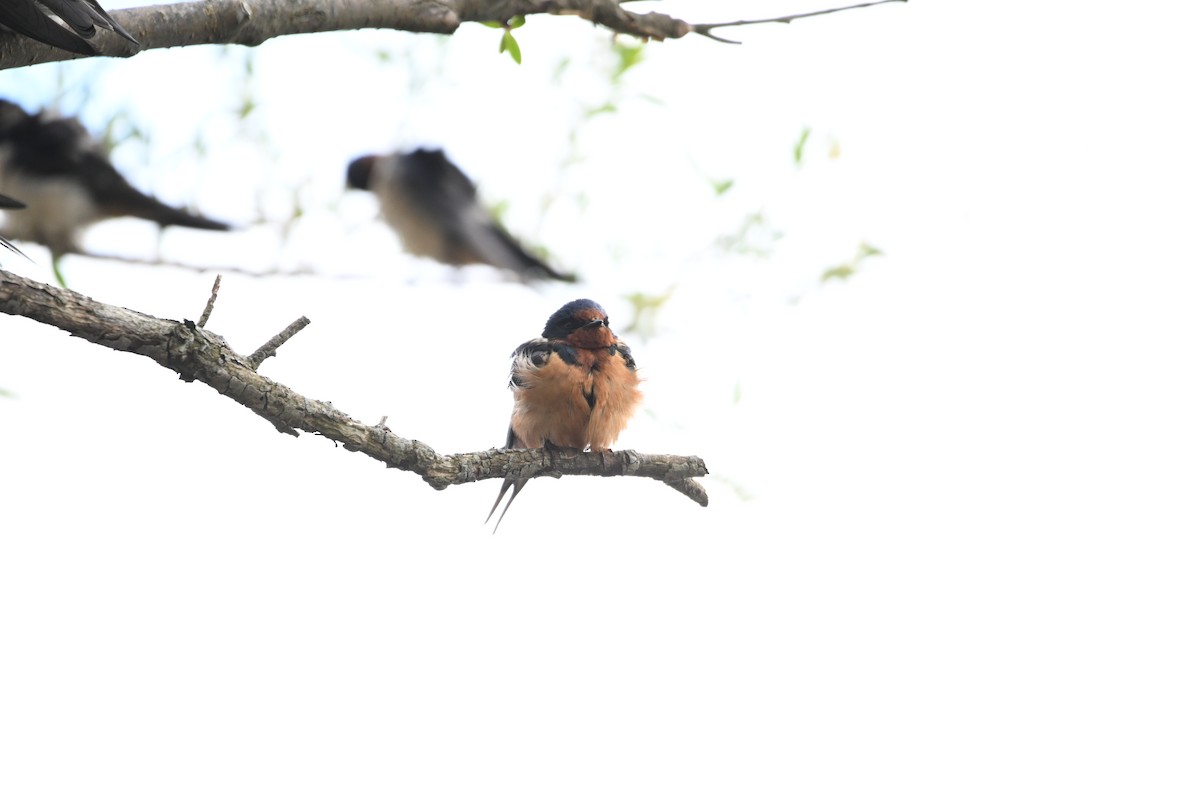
x,y
64,148
84,15
24,17
434,183
494,245
118,197
472,235
625,353
28,18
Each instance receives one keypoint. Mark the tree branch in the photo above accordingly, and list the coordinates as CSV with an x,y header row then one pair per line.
x,y
199,355
252,22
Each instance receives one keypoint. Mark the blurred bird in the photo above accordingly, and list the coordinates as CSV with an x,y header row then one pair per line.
x,y
32,18
435,210
67,183
574,386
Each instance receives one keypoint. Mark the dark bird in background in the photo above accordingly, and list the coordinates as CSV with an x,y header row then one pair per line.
x,y
64,178
435,209
574,386
81,17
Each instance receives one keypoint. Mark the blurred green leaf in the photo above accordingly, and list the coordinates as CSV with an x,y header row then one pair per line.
x,y
845,270
6,393
798,147
603,108
56,265
560,69
628,57
508,44
720,187
840,272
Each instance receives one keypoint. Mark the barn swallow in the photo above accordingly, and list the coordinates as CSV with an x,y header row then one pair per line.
x,y
31,18
574,386
435,209
67,182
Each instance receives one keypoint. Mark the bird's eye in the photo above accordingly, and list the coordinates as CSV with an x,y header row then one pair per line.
x,y
606,322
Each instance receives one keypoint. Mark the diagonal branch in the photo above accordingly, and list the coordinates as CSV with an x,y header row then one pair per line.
x,y
273,344
252,22
208,307
199,355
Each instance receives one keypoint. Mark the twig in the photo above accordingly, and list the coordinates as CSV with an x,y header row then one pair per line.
x,y
707,28
208,307
275,342
197,354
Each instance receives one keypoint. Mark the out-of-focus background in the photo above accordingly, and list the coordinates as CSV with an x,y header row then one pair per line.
x,y
919,282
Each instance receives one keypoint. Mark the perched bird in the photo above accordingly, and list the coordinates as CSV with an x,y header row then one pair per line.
x,y
66,181
435,210
574,386
32,18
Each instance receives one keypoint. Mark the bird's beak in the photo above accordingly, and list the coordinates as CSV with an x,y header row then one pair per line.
x,y
594,323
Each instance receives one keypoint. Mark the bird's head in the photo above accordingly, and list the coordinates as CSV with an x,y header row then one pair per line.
x,y
358,174
581,323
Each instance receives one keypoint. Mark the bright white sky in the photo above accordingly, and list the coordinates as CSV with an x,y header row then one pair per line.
x,y
952,545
